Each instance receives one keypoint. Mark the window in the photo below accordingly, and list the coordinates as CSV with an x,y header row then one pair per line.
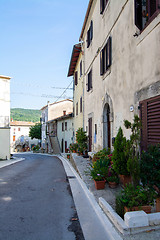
x,y
105,57
103,4
76,78
80,68
77,108
149,114
66,150
145,12
19,129
62,126
65,125
14,138
90,35
62,143
64,113
81,104
89,82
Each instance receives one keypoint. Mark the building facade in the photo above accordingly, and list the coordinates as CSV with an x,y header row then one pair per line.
x,y
120,45
50,113
19,136
4,117
76,71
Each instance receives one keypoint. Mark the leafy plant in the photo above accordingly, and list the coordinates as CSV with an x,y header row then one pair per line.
x,y
35,131
81,139
99,169
113,178
119,155
35,148
102,154
150,167
137,196
132,149
73,147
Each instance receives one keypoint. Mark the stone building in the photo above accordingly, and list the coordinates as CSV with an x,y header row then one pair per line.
x,y
120,41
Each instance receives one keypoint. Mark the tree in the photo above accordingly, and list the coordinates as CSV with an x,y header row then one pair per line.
x,y
35,131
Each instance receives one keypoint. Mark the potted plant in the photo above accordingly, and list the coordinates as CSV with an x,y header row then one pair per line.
x,y
150,170
99,171
112,177
73,147
81,139
102,154
136,198
120,157
133,150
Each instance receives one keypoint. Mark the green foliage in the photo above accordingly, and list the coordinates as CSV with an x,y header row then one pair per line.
x,y
102,154
35,148
132,150
35,131
137,196
99,169
28,115
73,147
113,178
150,167
81,139
119,156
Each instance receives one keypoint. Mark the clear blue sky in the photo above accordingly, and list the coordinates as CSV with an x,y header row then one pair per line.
x,y
37,37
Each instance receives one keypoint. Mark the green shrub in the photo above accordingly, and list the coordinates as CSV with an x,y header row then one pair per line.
x,y
99,169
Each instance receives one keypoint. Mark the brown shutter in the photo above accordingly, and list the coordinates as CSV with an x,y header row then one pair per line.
x,y
91,31
102,62
143,117
109,52
76,78
138,13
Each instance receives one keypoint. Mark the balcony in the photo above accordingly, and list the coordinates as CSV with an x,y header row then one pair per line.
x,y
4,121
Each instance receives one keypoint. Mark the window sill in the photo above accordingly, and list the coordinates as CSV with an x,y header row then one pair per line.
x,y
106,74
148,29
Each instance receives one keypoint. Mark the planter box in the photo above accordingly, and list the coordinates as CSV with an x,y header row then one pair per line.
x,y
125,179
99,184
146,209
112,184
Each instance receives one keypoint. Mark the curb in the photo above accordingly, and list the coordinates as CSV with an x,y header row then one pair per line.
x,y
10,162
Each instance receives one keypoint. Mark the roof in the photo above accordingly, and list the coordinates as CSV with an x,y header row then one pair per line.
x,y
56,103
21,123
74,58
61,117
5,77
86,18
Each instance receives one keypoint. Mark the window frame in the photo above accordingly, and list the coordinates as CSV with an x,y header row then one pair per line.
x,y
103,4
65,126
81,105
89,81
76,78
106,57
90,34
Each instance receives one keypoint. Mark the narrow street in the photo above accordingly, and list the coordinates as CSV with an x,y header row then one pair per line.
x,y
36,201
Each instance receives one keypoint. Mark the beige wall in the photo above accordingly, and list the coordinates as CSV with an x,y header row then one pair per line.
x,y
135,66
56,110
4,143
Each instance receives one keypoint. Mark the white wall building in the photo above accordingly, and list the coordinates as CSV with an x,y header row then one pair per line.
x,y
19,134
4,117
50,112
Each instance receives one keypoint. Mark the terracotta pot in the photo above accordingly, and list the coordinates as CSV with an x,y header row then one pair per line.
x,y
158,204
99,184
146,209
112,184
124,179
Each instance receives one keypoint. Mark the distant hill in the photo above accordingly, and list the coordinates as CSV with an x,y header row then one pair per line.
x,y
28,115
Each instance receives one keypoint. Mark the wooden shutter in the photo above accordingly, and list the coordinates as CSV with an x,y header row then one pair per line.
x,y
88,38
138,13
91,31
152,7
102,62
81,68
101,6
150,117
109,52
76,78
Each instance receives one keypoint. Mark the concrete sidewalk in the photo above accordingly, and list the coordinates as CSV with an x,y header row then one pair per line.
x,y
4,163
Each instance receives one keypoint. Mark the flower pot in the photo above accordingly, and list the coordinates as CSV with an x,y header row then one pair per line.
x,y
99,184
146,209
112,184
158,204
124,179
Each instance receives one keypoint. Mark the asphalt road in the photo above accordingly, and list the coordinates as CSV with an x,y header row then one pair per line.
x,y
36,201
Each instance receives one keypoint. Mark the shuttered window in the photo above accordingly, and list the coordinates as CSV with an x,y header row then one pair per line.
x,y
145,12
76,78
89,81
90,34
80,104
105,57
103,4
150,117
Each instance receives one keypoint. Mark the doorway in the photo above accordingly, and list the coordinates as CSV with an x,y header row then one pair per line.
x,y
106,127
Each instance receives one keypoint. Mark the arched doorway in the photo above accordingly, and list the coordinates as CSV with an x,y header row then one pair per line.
x,y
106,127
